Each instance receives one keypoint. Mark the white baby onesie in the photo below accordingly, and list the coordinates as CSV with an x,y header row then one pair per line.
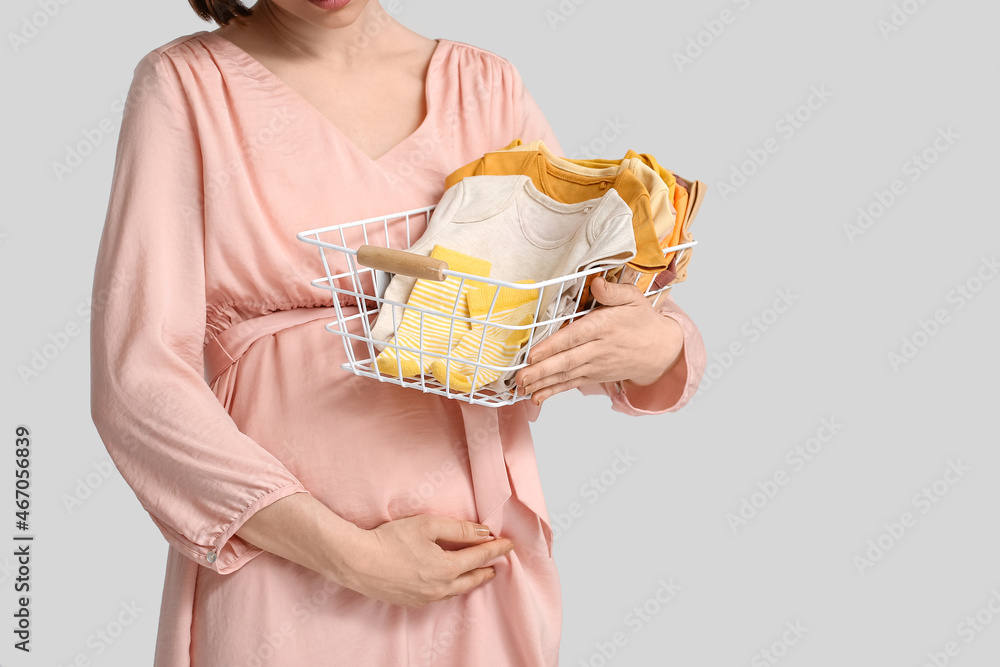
x,y
524,234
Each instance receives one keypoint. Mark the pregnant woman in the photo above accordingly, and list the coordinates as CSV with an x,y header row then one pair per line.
x,y
314,517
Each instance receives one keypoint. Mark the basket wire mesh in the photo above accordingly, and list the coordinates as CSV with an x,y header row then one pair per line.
x,y
358,296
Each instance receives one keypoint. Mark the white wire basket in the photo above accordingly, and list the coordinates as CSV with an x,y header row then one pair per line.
x,y
457,365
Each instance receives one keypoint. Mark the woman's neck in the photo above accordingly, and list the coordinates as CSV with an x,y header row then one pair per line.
x,y
344,38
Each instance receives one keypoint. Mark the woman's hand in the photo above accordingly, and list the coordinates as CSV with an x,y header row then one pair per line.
x,y
625,340
420,559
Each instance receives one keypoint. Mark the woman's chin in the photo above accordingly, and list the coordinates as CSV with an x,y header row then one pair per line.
x,y
330,4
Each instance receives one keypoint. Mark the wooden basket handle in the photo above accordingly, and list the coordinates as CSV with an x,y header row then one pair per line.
x,y
402,262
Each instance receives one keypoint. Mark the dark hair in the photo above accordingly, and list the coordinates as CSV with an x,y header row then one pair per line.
x,y
220,11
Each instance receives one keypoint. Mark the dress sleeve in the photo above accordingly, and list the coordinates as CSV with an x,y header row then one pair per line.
x,y
520,117
514,115
193,471
674,388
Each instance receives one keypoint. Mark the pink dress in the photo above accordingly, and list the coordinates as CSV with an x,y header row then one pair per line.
x,y
217,390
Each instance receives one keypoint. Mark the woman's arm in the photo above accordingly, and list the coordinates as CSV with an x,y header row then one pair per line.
x,y
191,468
664,384
648,360
672,390
410,561
635,348
305,531
219,497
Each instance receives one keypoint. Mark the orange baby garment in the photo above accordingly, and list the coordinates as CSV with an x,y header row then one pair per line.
x,y
571,187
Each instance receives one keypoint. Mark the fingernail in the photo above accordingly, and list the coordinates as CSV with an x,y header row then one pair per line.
x,y
483,532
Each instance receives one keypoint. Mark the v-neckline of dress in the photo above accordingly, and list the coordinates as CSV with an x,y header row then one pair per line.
x,y
250,64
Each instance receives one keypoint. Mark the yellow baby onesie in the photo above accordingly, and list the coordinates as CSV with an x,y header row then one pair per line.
x,y
495,343
437,333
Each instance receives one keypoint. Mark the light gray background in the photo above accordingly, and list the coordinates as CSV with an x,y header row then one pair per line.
x,y
665,516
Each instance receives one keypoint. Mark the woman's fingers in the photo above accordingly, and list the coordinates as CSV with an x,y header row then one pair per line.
x,y
563,366
467,581
445,529
408,565
472,544
614,294
474,557
551,390
576,333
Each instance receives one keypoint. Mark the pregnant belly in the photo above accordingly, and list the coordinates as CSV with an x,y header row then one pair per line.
x,y
370,451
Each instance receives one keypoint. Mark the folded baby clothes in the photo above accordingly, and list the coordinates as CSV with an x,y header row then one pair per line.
x,y
506,316
429,332
661,193
686,197
678,188
678,270
643,280
572,184
697,196
660,200
668,177
525,235
660,184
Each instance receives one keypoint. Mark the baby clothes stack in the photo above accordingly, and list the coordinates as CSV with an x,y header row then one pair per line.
x,y
501,227
521,214
673,201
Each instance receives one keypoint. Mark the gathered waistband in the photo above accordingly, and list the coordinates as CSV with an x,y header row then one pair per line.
x,y
224,349
488,458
